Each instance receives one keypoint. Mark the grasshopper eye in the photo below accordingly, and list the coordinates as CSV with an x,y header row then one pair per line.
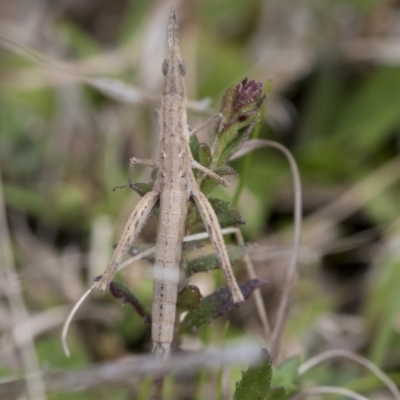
x,y
165,67
182,69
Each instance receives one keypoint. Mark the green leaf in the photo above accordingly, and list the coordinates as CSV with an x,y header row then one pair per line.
x,y
192,245
189,297
227,107
242,135
286,375
208,185
210,261
256,381
215,305
230,139
227,215
205,155
194,145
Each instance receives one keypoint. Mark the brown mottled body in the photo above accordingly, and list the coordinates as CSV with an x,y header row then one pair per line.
x,y
174,185
174,172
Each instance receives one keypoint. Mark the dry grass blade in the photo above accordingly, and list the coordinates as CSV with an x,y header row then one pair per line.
x,y
190,238
328,355
112,88
204,235
291,274
262,312
131,370
374,49
65,328
86,294
38,324
23,340
316,391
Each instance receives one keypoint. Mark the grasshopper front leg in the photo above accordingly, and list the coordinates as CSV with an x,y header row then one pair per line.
x,y
132,162
131,231
212,174
210,121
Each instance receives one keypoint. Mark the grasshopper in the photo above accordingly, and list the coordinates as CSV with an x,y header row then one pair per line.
x,y
174,185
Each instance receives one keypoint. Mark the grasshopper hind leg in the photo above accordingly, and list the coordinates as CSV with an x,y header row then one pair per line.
x,y
213,228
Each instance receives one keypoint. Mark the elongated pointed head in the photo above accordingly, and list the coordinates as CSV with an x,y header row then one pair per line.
x,y
173,29
173,66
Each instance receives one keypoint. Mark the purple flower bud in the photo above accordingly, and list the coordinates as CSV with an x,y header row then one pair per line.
x,y
247,92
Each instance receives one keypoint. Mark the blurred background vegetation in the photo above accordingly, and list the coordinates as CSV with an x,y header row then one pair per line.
x,y
66,136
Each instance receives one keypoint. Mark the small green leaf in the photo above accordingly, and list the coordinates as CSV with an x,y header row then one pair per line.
x,y
227,215
192,245
194,147
228,136
227,103
256,381
120,291
192,218
189,297
215,305
286,375
210,261
208,185
241,137
204,155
